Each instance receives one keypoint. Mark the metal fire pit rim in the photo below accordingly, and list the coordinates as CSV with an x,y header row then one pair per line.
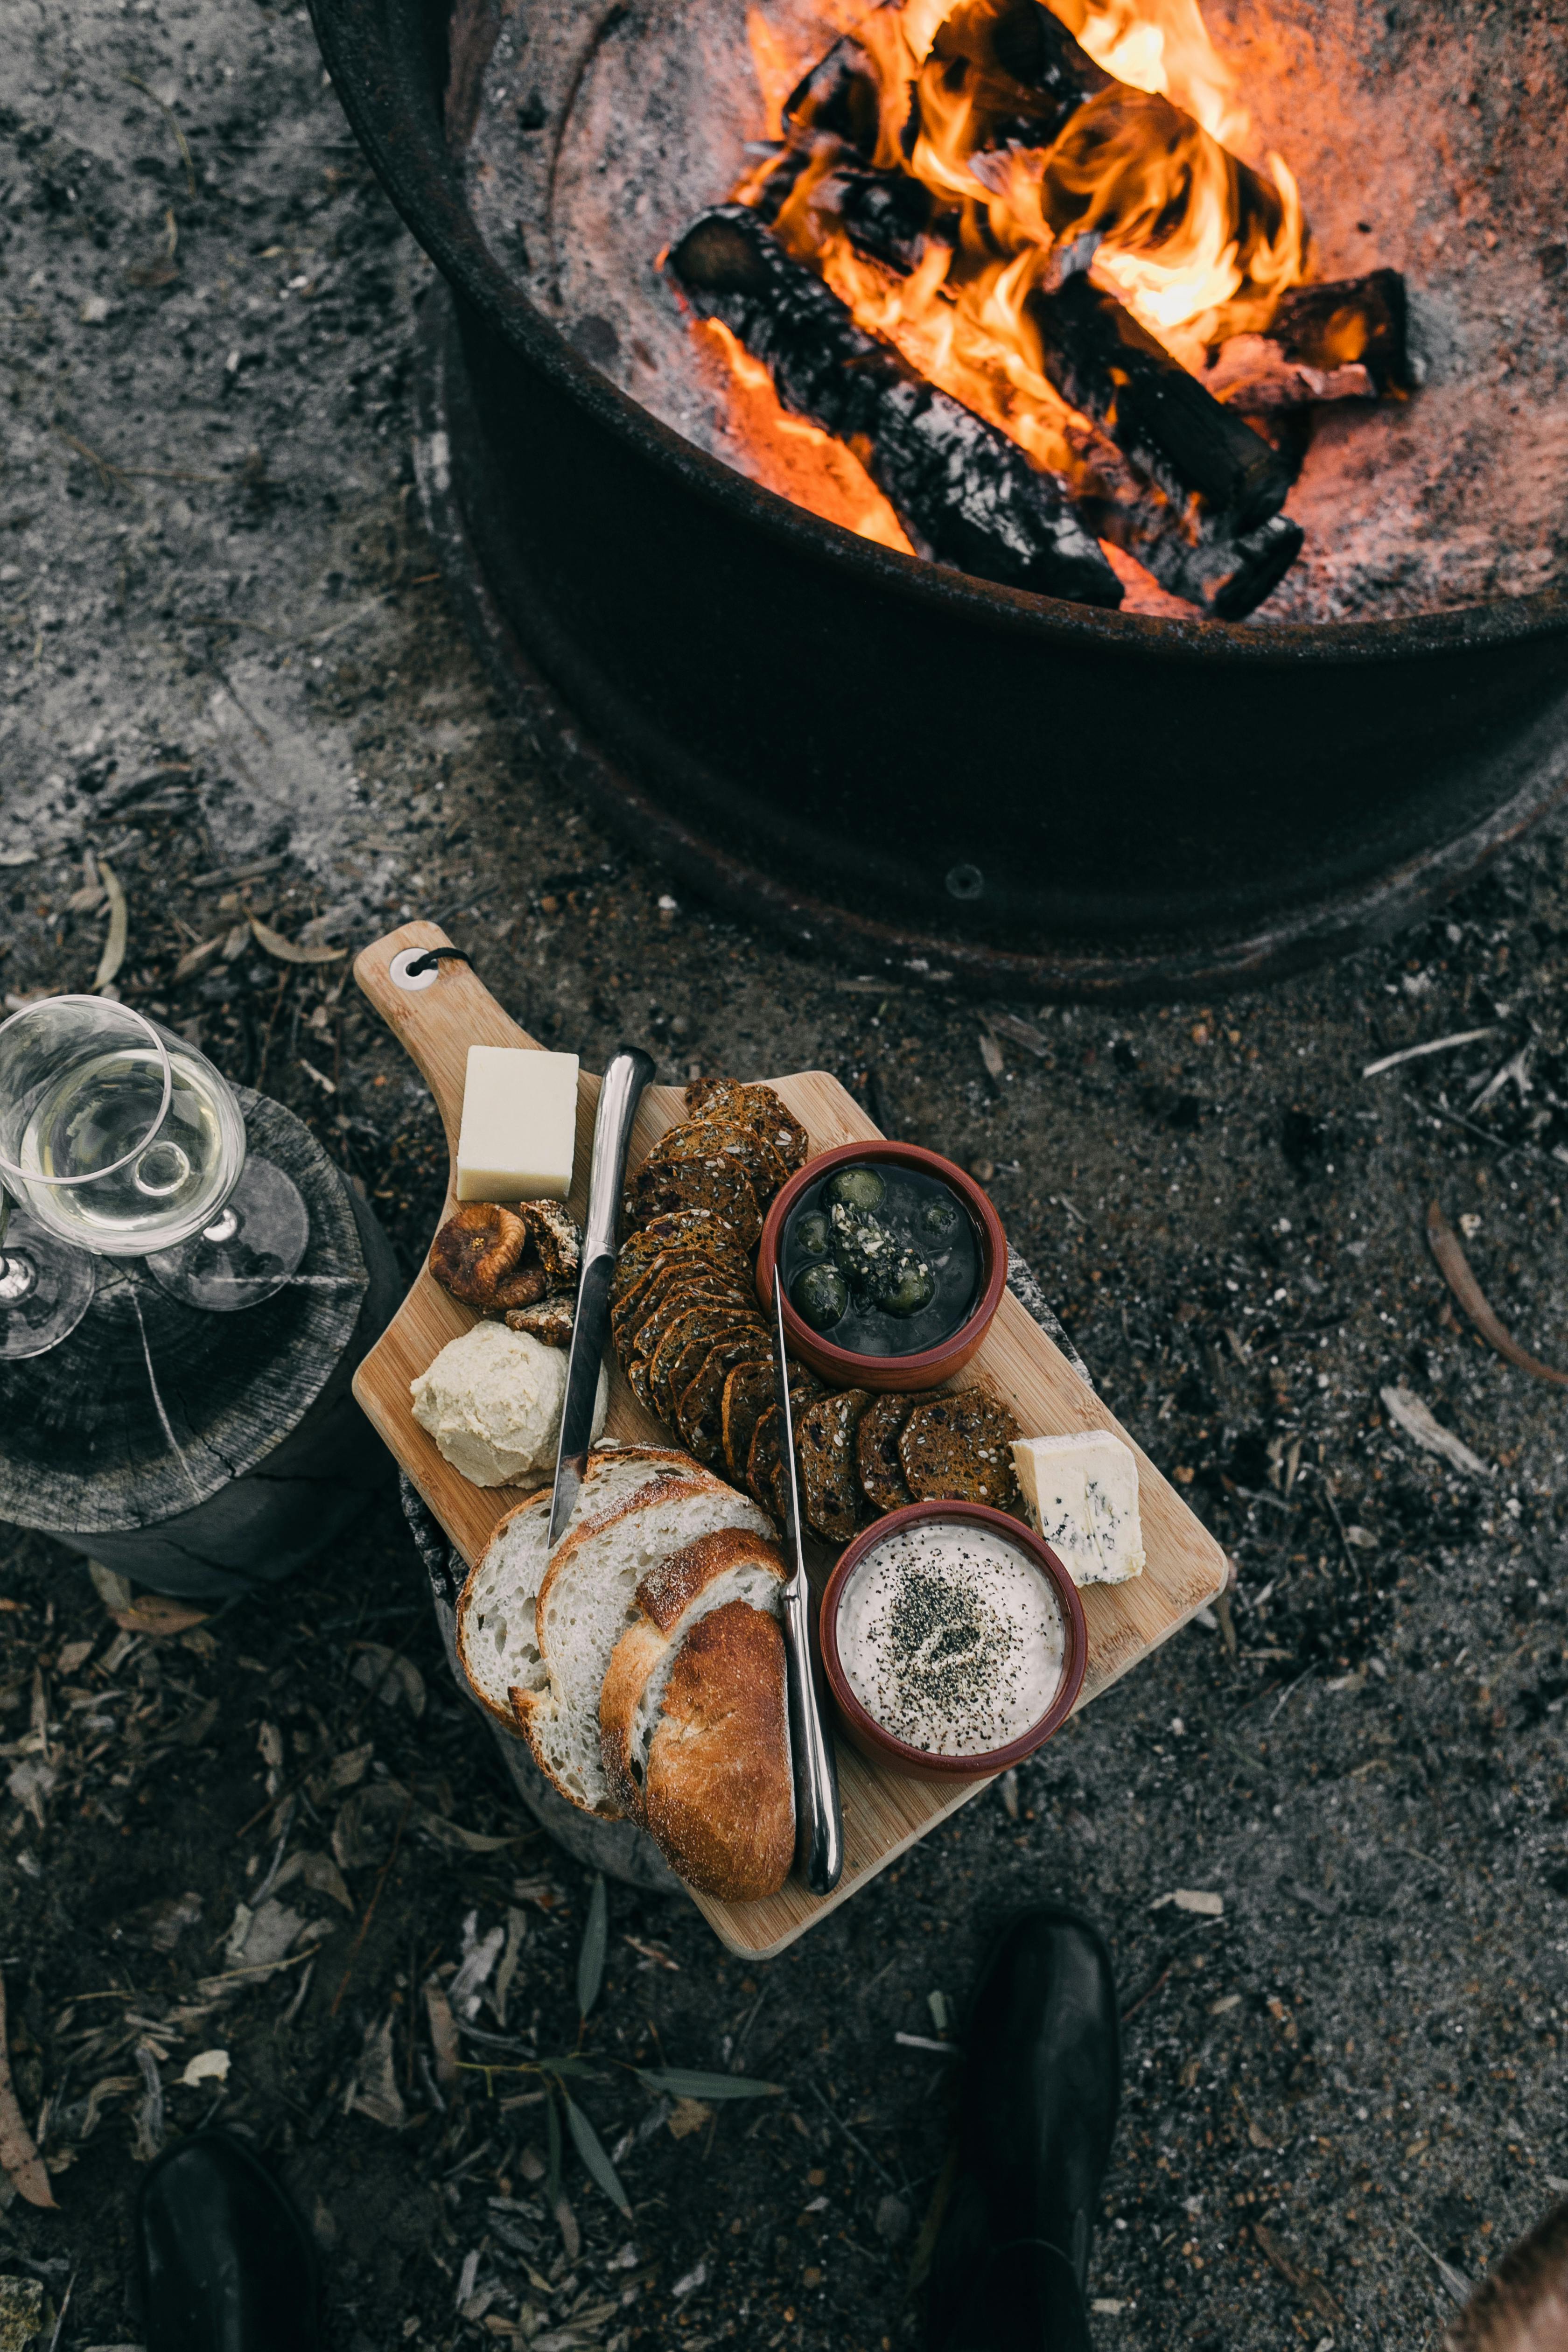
x,y
365,42
1254,955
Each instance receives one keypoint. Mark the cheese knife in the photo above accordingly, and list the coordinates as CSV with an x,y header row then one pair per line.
x,y
819,1823
620,1091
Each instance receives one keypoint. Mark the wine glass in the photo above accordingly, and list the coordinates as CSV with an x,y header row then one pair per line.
x,y
120,1141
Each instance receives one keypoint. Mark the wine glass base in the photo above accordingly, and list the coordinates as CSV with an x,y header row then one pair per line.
x,y
46,1288
248,1255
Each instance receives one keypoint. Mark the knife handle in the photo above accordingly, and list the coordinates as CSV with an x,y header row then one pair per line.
x,y
819,1823
620,1091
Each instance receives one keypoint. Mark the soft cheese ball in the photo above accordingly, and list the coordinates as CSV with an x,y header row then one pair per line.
x,y
493,1401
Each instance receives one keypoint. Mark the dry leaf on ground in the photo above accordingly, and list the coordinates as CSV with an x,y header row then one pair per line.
x,y
289,950
1417,1421
376,2093
1455,1268
19,2160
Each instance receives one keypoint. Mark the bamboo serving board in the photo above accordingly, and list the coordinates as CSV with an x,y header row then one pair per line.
x,y
884,1813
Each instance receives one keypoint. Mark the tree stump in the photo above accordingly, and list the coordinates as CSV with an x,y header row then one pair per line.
x,y
204,1454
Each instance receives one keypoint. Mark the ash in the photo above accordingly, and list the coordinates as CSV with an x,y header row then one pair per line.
x,y
1427,139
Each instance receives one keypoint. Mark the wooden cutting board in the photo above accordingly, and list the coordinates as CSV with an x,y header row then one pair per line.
x,y
884,1813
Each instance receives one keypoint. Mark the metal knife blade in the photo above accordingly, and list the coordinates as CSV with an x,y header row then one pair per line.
x,y
620,1091
819,1823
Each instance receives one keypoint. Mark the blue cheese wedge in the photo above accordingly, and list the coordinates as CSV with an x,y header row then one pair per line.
x,y
1081,1493
519,1125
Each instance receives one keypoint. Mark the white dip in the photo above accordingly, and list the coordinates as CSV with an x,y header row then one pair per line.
x,y
492,1402
951,1638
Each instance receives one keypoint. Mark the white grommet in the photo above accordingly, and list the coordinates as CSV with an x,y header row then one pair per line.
x,y
412,981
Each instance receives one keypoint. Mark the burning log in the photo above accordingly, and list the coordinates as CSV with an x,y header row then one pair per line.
x,y
1225,570
1168,426
964,491
1347,339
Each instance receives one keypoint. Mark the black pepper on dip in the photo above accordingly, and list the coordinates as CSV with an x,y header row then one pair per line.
x,y
882,1260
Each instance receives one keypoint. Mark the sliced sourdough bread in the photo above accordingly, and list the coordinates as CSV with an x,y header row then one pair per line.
x,y
733,1564
718,1798
497,1646
586,1602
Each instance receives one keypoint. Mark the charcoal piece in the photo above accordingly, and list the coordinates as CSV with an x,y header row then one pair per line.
x,y
1345,341
838,96
889,216
1188,443
1349,322
964,493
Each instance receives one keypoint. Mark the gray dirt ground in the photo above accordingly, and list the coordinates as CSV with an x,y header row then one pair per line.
x,y
222,644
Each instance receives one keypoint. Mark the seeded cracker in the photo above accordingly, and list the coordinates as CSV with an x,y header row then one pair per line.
x,y
716,1182
959,1448
825,1440
876,1452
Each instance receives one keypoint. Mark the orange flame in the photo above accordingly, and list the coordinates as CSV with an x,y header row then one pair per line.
x,y
1197,242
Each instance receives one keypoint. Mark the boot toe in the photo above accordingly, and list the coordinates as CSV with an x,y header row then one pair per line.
x,y
225,2260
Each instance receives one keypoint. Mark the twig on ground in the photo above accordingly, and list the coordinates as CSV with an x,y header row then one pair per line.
x,y
1455,1268
1433,1045
137,83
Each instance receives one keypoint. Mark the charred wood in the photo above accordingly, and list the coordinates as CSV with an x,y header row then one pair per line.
x,y
840,96
1022,75
1185,441
1225,570
1349,322
965,494
1346,340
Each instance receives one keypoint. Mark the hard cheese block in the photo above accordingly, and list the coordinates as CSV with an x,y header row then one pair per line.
x,y
1081,1492
519,1125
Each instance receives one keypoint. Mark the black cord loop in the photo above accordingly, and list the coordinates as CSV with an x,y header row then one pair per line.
x,y
432,959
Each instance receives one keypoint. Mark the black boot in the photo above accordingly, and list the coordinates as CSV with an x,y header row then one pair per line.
x,y
226,2263
1041,2086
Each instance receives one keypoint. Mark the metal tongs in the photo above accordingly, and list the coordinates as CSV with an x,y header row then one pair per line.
x,y
819,1823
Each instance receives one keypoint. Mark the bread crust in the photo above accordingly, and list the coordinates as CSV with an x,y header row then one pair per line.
x,y
664,1596
718,1800
667,1591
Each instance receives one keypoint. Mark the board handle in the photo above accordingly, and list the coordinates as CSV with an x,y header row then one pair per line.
x,y
435,1016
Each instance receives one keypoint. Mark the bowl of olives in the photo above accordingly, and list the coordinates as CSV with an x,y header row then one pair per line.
x,y
893,1263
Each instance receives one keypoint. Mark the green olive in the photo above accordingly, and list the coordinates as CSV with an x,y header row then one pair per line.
x,y
940,1218
912,1287
856,1188
820,1295
811,1233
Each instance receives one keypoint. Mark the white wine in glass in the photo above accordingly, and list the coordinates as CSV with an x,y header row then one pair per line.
x,y
120,1141
88,1122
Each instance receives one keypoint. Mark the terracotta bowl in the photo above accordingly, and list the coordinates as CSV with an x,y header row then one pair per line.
x,y
927,1370
867,1734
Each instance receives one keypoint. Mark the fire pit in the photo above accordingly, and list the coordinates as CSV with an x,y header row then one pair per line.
x,y
894,758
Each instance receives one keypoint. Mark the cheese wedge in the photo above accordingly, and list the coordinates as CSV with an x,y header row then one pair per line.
x,y
1081,1493
519,1125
